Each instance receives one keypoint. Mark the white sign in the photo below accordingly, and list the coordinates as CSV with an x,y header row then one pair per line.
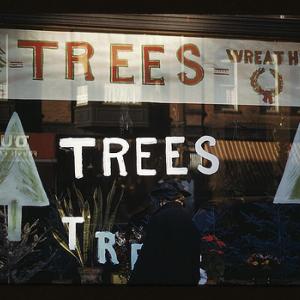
x,y
151,68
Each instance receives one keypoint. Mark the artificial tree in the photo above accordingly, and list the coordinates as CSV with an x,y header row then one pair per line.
x,y
20,184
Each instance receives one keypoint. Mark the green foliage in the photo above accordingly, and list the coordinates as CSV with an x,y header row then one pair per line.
x,y
86,230
14,255
98,214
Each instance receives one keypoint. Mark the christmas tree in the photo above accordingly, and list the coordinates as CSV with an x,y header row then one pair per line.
x,y
20,184
289,187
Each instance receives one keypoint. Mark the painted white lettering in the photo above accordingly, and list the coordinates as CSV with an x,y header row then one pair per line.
x,y
134,253
77,144
72,221
212,158
170,154
106,240
142,154
107,155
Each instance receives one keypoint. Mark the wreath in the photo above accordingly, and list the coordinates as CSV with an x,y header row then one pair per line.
x,y
268,94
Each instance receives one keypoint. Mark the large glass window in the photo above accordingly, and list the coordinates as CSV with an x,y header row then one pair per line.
x,y
116,143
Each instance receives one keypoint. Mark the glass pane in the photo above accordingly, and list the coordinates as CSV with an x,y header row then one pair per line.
x,y
148,159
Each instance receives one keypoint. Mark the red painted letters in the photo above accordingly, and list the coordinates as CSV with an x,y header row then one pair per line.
x,y
38,54
116,63
80,58
191,64
149,64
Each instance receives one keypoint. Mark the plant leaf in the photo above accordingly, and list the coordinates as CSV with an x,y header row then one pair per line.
x,y
96,215
80,199
66,227
64,245
100,203
66,206
86,230
114,212
109,201
70,202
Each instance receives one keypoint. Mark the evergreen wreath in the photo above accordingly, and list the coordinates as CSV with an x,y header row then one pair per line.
x,y
268,94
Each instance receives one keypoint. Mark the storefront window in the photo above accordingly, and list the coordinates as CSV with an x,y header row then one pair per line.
x,y
138,158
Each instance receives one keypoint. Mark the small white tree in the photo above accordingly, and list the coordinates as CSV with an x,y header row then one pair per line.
x,y
20,184
289,187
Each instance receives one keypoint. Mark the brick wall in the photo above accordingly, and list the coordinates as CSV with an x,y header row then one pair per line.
x,y
56,111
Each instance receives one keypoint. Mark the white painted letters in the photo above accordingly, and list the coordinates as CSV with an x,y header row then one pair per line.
x,y
170,154
141,154
72,221
77,144
106,240
134,253
107,155
213,159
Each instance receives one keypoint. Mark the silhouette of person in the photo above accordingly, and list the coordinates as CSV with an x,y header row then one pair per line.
x,y
171,249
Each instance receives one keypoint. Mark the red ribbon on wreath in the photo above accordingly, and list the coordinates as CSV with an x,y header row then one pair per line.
x,y
268,98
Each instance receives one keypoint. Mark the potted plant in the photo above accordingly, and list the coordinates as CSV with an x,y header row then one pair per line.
x,y
212,254
261,267
99,215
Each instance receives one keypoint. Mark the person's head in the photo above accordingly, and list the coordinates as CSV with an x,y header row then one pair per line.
x,y
170,191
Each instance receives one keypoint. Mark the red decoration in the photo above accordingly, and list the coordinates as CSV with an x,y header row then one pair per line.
x,y
268,94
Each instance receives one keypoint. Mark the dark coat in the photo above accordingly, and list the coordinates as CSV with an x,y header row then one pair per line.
x,y
170,252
